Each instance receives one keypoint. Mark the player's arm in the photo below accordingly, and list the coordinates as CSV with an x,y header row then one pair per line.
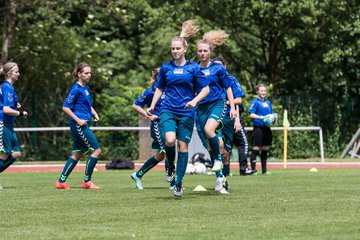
x,y
156,97
230,97
144,113
237,124
202,94
255,116
15,113
70,113
95,114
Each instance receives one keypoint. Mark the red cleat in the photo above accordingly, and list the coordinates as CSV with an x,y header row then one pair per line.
x,y
60,185
89,185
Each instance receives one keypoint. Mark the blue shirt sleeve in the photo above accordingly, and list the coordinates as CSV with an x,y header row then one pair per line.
x,y
71,98
9,97
224,78
161,78
144,99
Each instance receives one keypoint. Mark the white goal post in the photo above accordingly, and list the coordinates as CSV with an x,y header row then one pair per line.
x,y
195,145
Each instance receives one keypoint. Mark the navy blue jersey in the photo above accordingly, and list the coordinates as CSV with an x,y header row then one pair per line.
x,y
218,82
179,84
237,90
8,98
146,98
79,102
260,108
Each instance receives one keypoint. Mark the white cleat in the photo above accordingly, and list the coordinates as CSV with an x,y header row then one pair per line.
x,y
223,191
219,183
137,181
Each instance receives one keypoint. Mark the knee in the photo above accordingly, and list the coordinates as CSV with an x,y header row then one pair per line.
x,y
97,153
209,131
16,155
182,146
170,142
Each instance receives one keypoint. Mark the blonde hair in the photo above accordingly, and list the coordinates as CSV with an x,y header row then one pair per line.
x,y
6,69
214,38
188,30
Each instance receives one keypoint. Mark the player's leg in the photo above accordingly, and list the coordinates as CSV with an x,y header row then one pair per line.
x,y
93,146
183,134
265,149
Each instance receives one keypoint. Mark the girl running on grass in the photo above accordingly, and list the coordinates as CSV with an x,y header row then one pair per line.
x,y
9,110
78,106
156,132
211,109
178,79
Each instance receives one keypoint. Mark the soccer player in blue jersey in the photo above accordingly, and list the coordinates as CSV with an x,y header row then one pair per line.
x,y
78,106
156,132
178,79
230,125
261,135
211,109
9,110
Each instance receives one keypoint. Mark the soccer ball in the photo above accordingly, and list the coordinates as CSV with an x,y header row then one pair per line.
x,y
270,119
199,168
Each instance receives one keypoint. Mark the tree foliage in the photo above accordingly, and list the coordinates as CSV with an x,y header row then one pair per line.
x,y
306,49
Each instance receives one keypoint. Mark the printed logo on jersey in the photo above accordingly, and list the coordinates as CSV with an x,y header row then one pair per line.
x,y
252,105
87,92
162,95
70,98
142,98
178,71
206,72
10,97
265,104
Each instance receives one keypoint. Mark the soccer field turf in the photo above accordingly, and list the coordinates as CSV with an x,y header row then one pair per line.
x,y
290,204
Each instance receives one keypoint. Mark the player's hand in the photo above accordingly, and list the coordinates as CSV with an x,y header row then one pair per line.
x,y
191,104
23,114
233,113
82,122
237,126
18,106
96,118
149,111
153,117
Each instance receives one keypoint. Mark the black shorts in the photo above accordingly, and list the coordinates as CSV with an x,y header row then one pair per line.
x,y
261,136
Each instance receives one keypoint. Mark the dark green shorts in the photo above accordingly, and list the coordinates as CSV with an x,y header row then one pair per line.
x,y
183,126
84,139
8,139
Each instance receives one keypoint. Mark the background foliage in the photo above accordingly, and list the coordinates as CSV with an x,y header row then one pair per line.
x,y
306,51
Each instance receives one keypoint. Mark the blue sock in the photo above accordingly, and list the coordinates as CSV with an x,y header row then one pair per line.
x,y
69,166
226,170
2,163
181,164
170,156
10,160
149,164
215,147
90,165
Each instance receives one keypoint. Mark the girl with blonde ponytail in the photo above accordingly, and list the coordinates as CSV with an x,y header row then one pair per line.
x,y
178,78
210,110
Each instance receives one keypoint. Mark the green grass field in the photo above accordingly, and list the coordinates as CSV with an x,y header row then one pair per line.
x,y
290,204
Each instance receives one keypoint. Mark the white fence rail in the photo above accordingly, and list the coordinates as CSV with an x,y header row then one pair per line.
x,y
194,144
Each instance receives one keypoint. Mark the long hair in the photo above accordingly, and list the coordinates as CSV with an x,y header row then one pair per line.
x,y
188,30
214,38
78,69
